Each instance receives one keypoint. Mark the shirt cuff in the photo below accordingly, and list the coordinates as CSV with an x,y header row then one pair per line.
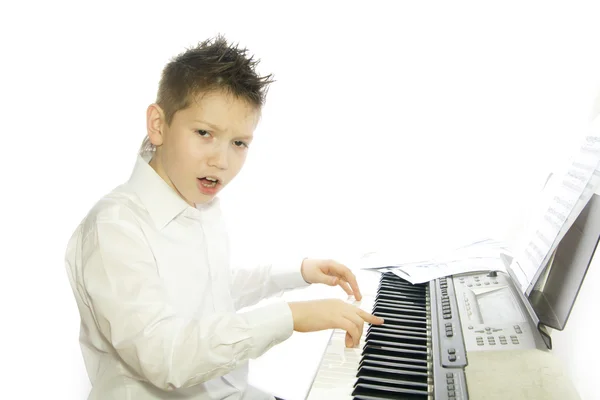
x,y
270,325
287,273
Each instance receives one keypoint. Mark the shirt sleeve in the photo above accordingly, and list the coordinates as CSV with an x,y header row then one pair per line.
x,y
251,285
131,309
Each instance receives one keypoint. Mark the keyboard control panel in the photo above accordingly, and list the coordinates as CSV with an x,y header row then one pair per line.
x,y
491,316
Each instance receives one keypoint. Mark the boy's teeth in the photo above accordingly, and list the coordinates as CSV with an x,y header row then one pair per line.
x,y
211,179
209,184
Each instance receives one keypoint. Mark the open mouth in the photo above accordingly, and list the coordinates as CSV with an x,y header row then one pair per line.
x,y
209,181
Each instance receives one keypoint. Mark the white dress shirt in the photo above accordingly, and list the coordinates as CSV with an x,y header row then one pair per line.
x,y
159,301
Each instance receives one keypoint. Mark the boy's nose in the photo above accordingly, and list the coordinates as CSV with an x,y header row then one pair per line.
x,y
219,159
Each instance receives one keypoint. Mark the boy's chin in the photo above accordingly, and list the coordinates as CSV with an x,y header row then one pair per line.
x,y
203,198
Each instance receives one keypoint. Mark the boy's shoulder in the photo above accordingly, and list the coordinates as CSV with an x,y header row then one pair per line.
x,y
120,204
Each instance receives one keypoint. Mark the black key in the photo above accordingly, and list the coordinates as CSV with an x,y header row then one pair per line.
x,y
420,363
393,322
398,311
384,294
412,332
383,391
367,360
392,383
403,289
395,374
409,352
391,343
404,339
400,303
414,318
395,361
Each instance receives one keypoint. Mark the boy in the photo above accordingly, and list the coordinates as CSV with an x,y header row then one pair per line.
x,y
149,265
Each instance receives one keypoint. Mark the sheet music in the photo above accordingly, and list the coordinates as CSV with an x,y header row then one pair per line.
x,y
419,273
482,255
564,200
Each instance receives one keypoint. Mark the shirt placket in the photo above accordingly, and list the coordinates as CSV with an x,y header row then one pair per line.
x,y
215,259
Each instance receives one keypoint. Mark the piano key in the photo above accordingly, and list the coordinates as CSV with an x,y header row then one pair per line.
x,y
407,304
391,294
404,339
394,360
403,289
366,397
385,358
399,310
413,318
402,286
396,377
420,332
393,385
387,391
392,322
395,351
418,326
386,343
367,360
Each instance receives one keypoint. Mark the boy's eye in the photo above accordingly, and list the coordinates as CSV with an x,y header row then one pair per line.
x,y
239,143
202,132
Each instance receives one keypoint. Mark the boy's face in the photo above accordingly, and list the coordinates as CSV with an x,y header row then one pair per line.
x,y
209,139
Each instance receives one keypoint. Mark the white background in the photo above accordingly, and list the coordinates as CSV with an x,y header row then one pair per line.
x,y
392,125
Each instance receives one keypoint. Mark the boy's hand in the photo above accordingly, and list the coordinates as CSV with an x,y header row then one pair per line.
x,y
318,315
330,273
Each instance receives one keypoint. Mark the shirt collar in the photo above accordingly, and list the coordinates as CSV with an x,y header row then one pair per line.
x,y
161,201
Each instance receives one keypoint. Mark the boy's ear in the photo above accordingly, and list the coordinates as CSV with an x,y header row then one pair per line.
x,y
155,122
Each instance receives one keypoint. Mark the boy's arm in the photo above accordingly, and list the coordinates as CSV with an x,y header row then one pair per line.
x,y
131,309
249,286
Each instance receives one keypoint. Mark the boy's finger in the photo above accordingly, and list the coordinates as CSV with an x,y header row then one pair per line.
x,y
349,341
344,285
371,318
352,330
349,277
359,322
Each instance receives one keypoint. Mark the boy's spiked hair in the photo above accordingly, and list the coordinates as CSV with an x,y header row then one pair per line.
x,y
213,64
